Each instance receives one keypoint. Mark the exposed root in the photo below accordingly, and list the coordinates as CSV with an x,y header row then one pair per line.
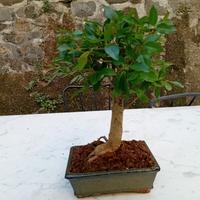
x,y
100,150
103,137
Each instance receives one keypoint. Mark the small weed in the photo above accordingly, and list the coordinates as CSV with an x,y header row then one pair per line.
x,y
34,15
31,85
49,78
46,6
38,66
46,103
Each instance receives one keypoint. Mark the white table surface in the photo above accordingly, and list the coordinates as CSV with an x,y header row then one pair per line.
x,y
34,151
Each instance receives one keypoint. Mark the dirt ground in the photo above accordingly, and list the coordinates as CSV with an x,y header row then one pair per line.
x,y
15,99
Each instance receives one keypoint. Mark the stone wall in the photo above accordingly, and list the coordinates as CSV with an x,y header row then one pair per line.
x,y
28,28
23,30
24,27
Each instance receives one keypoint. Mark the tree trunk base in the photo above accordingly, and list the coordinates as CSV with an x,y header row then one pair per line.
x,y
115,134
100,150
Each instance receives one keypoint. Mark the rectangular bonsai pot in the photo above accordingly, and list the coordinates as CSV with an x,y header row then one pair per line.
x,y
92,184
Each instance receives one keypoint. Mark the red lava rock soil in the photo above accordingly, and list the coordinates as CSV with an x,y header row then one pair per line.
x,y
131,154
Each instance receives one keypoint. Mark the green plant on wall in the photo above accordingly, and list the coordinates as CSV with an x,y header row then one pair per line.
x,y
46,7
125,50
46,103
31,85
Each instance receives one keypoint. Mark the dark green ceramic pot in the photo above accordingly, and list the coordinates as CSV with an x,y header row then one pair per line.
x,y
92,184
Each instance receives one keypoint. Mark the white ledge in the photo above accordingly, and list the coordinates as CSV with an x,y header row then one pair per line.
x,y
34,151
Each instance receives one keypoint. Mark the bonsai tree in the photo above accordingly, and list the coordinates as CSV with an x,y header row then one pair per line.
x,y
125,51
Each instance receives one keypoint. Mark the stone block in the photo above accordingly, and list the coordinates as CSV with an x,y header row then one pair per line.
x,y
23,25
83,9
6,14
2,26
116,1
14,38
4,51
136,1
10,2
20,12
30,11
31,54
34,35
9,52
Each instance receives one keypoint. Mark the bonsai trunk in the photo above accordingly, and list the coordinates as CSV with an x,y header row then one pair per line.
x,y
115,135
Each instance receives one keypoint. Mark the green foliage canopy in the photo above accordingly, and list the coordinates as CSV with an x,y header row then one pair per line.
x,y
126,49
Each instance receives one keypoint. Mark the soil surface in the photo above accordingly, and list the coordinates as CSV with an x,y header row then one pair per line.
x,y
131,154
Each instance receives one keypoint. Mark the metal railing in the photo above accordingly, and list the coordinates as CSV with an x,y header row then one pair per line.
x,y
174,97
94,98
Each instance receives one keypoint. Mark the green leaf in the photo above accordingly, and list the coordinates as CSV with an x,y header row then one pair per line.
x,y
63,50
153,16
91,29
139,36
142,64
124,84
157,91
93,79
113,51
140,59
96,86
109,13
77,33
82,61
167,85
165,28
141,67
132,76
130,20
99,75
121,61
153,47
107,72
149,77
152,38
121,85
116,87
177,84
129,53
143,20
63,47
141,95
109,31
